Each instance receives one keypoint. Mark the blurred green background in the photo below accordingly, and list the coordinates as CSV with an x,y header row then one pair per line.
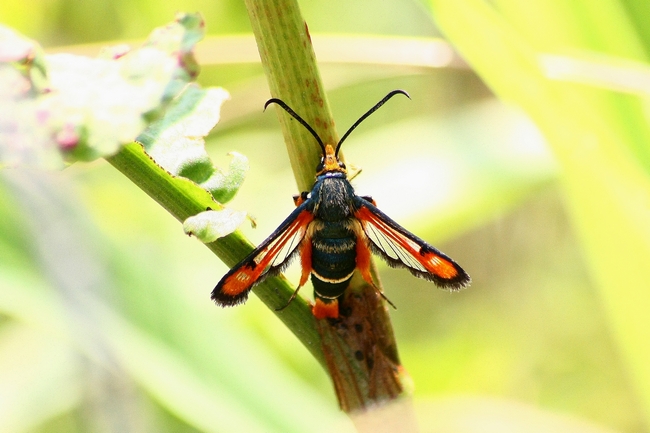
x,y
105,319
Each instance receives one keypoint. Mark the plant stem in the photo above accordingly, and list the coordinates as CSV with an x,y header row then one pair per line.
x,y
289,62
180,198
359,347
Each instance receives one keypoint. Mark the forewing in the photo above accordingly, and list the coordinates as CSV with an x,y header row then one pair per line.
x,y
266,260
401,248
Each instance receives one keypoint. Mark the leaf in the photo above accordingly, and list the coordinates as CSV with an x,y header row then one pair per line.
x,y
224,186
89,106
23,137
211,225
24,54
176,142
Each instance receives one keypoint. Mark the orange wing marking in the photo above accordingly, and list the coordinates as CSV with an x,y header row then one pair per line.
x,y
273,255
399,247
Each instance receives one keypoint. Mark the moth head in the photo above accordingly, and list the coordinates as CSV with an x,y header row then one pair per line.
x,y
329,162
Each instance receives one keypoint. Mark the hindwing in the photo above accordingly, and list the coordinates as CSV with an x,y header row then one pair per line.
x,y
401,248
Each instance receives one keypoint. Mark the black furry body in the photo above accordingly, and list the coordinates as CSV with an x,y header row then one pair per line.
x,y
333,239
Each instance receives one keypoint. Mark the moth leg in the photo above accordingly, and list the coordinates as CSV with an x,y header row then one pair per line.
x,y
384,296
363,264
293,296
353,172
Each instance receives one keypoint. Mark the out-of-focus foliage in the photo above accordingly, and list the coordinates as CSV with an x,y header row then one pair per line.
x,y
585,84
176,143
76,108
105,318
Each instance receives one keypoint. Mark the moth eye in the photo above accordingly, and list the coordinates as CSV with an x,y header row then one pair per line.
x,y
342,165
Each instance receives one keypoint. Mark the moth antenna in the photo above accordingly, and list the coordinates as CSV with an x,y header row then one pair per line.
x,y
368,113
295,115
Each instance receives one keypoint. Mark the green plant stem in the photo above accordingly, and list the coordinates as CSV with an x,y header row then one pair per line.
x,y
178,197
359,348
289,62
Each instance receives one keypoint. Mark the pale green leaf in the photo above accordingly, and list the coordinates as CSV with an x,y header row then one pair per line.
x,y
88,107
211,225
176,142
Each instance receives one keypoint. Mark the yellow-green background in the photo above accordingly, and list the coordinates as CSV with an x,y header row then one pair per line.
x,y
105,319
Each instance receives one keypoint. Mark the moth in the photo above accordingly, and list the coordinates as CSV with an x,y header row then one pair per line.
x,y
334,231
